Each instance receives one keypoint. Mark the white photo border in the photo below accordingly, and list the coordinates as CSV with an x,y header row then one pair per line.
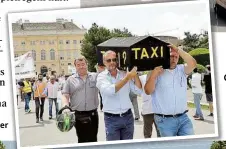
x,y
120,141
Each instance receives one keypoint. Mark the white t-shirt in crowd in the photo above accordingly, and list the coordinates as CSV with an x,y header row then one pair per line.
x,y
147,103
196,83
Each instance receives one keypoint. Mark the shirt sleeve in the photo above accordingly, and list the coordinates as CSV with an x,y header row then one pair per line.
x,y
66,88
104,85
134,88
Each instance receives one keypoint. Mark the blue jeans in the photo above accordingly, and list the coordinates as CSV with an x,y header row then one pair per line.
x,y
174,126
51,105
197,98
119,128
27,98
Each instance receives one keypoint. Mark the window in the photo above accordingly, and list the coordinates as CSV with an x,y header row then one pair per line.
x,y
80,41
52,54
51,42
23,43
43,55
61,42
16,55
34,54
76,54
68,55
32,42
42,42
61,55
69,64
74,41
67,41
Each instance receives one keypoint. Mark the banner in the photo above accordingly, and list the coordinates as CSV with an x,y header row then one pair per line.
x,y
24,66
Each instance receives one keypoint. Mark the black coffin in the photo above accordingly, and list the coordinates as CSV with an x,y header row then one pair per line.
x,y
145,52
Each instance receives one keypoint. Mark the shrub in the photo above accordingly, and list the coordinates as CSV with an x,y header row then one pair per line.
x,y
201,55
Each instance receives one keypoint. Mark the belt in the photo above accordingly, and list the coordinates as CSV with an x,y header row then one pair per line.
x,y
176,115
118,115
92,112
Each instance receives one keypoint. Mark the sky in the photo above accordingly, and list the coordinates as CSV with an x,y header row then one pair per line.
x,y
171,19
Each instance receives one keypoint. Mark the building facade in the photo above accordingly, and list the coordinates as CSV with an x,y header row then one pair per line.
x,y
54,45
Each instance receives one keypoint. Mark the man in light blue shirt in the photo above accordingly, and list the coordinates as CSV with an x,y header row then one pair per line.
x,y
169,94
115,86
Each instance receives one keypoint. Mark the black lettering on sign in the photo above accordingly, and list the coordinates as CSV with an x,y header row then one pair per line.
x,y
155,52
225,77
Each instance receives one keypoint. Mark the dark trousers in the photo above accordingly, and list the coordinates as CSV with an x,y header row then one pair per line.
x,y
101,103
148,125
87,126
39,106
119,127
51,100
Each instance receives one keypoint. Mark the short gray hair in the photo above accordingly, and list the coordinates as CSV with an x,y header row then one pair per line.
x,y
108,52
81,58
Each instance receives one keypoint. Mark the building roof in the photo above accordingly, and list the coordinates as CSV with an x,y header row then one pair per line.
x,y
44,26
122,41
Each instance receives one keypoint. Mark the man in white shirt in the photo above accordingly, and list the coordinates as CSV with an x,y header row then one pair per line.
x,y
147,113
197,92
51,91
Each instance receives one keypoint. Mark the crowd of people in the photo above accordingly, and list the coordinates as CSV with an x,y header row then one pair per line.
x,y
164,95
39,89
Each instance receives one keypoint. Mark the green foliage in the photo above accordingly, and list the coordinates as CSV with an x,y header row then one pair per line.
x,y
201,68
2,146
96,35
201,55
218,145
193,41
199,51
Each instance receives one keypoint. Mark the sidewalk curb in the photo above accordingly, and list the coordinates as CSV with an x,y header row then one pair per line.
x,y
204,106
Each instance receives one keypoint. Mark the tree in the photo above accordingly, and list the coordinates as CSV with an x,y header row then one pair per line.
x,y
218,145
92,38
193,41
96,35
2,146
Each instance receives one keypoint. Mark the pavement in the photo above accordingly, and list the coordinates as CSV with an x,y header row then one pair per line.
x,y
217,24
46,132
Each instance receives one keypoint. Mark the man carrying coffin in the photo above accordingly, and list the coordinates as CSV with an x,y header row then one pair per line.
x,y
169,94
115,86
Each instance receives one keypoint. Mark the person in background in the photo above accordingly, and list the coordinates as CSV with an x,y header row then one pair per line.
x,y
208,89
17,91
197,92
27,90
51,91
133,98
147,113
38,88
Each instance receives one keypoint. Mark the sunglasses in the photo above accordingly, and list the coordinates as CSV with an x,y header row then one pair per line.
x,y
111,60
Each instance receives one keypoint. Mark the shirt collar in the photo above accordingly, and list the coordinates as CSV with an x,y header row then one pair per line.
x,y
77,75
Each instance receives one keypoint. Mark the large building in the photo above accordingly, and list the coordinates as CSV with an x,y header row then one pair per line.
x,y
54,45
